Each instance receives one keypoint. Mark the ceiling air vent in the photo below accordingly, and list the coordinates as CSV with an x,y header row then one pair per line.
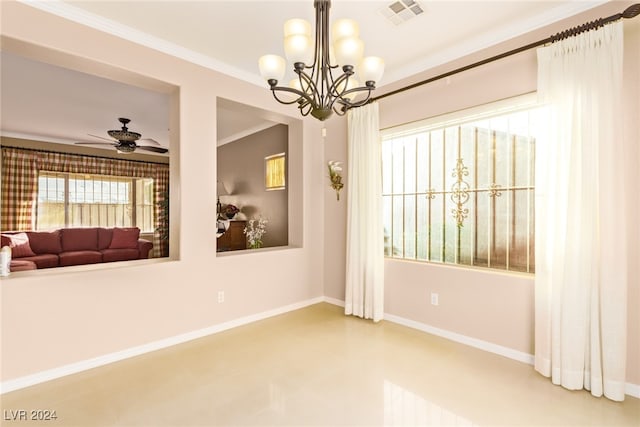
x,y
401,11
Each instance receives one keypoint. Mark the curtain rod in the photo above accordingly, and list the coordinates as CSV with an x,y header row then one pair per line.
x,y
630,12
39,150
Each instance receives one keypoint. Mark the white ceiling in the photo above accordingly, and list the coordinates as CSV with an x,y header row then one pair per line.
x,y
229,36
45,102
232,35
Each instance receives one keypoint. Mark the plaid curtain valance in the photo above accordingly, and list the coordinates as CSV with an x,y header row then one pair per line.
x,y
20,169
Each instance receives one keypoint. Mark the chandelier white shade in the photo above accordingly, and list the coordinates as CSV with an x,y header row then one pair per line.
x,y
345,28
371,68
325,81
297,26
272,67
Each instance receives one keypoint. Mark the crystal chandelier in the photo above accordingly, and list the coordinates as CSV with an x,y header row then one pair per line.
x,y
315,89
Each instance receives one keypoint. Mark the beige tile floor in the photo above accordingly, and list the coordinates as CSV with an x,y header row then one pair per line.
x,y
317,367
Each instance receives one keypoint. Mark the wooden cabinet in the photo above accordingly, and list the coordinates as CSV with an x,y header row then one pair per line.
x,y
234,238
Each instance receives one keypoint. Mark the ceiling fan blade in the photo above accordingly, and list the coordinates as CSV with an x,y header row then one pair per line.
x,y
148,142
113,144
100,137
154,149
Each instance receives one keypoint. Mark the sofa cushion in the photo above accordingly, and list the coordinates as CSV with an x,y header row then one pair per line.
x,y
111,255
43,260
22,265
79,239
19,244
104,238
125,238
80,257
44,242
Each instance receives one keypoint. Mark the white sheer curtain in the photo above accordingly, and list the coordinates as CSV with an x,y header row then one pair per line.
x,y
364,295
581,265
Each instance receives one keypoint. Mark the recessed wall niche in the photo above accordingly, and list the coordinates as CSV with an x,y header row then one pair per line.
x,y
51,100
248,139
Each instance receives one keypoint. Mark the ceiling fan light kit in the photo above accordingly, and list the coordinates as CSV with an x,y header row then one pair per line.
x,y
125,149
126,141
316,90
124,134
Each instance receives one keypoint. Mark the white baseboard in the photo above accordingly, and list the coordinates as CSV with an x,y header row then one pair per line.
x,y
334,301
630,389
463,339
73,368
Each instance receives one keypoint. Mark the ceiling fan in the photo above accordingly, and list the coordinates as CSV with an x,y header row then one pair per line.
x,y
126,141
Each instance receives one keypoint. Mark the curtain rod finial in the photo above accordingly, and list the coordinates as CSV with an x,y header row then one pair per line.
x,y
632,11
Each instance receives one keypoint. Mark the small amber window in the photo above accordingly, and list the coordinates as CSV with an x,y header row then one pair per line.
x,y
275,172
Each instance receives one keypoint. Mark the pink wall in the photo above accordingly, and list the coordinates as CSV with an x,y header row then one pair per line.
x,y
491,306
54,319
632,145
335,211
51,319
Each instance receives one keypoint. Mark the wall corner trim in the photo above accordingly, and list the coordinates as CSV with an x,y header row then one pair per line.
x,y
73,368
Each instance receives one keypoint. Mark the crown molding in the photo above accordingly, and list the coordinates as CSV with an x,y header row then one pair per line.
x,y
80,16
503,34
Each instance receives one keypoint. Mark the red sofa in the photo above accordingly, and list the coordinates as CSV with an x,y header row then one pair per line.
x,y
74,246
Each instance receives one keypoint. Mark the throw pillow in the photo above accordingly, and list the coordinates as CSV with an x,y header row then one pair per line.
x,y
19,244
125,238
79,239
45,242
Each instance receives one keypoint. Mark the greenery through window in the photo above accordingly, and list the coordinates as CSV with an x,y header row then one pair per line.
x,y
462,191
79,200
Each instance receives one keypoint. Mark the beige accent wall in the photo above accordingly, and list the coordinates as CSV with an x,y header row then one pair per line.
x,y
241,168
497,307
79,313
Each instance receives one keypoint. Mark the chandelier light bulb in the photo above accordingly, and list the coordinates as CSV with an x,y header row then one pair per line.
x,y
272,67
295,84
371,69
348,51
290,96
351,84
297,27
344,28
298,48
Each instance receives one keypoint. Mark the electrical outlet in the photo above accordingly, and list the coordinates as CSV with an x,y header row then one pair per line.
x,y
220,296
434,299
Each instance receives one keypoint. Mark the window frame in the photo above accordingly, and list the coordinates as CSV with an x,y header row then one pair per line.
x,y
132,204
281,171
390,193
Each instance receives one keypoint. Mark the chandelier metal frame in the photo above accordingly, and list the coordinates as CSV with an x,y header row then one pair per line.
x,y
321,93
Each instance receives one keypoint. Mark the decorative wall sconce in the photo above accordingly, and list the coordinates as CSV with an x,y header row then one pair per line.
x,y
335,177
